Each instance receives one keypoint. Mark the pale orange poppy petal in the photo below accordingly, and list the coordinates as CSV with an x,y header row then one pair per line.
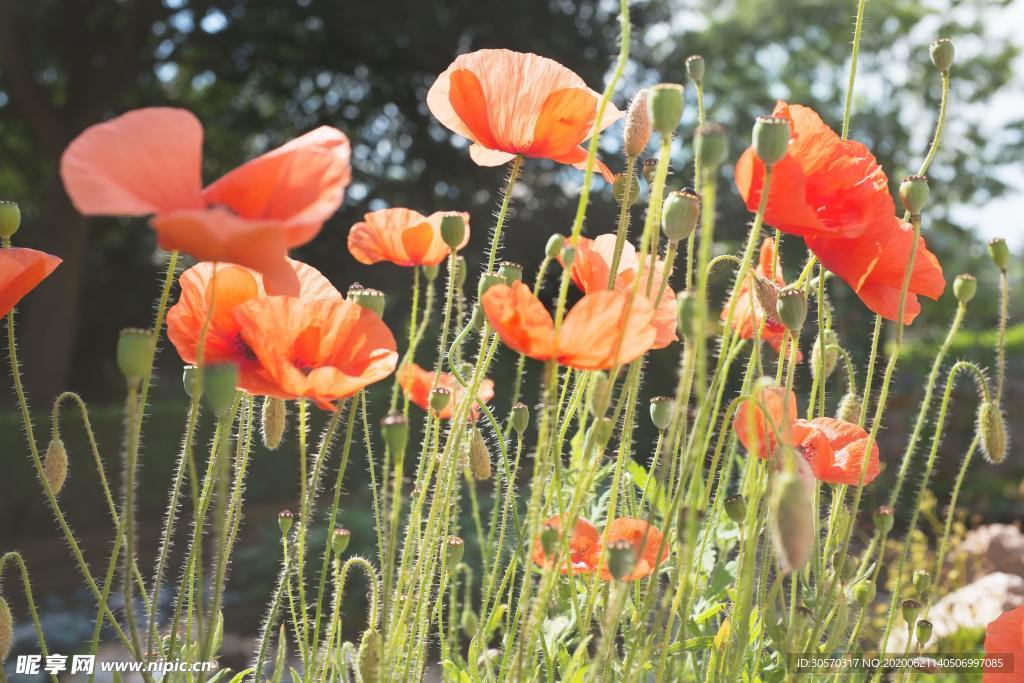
x,y
520,319
489,157
582,546
765,419
469,103
565,119
20,271
381,236
646,541
605,329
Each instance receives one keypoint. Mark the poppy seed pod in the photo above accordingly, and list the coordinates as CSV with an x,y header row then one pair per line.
x,y
770,138
922,581
914,193
455,548
790,517
910,609
831,357
191,379
6,629
711,145
453,229
55,465
695,68
479,457
340,538
219,382
10,220
791,307
661,412
679,214
488,280
665,105
439,399
554,246
637,132
648,169
992,430
864,592
736,508
394,427
370,646
549,538
520,418
274,421
965,286
370,299
883,519
924,631
600,394
942,53
686,313
999,252
461,270
430,272
285,518
510,272
621,559
133,352
849,408
619,188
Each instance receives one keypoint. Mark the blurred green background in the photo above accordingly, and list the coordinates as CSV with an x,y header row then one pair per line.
x,y
260,72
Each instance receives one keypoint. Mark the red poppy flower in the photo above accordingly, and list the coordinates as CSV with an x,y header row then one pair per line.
x,y
1005,636
20,271
591,268
417,383
746,318
583,547
148,162
402,236
833,193
766,419
509,103
227,287
601,331
646,541
835,450
322,350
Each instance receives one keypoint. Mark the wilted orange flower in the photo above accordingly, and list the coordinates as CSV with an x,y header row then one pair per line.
x,y
20,271
417,383
833,193
590,272
583,545
402,236
767,419
601,331
1005,636
646,541
509,103
835,450
746,319
322,350
148,162
228,286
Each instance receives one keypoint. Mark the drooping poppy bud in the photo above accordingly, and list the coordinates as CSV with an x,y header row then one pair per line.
x,y
520,418
453,229
619,188
965,286
55,465
665,103
600,393
394,427
831,355
274,421
468,621
791,307
549,540
455,548
695,68
648,169
999,252
461,270
370,646
370,299
219,382
439,399
340,539
510,272
790,517
910,609
736,508
686,312
992,430
6,629
864,592
477,318
637,132
430,271
849,408
770,138
914,193
661,412
711,145
191,379
942,53
924,631
10,221
134,346
883,519
285,518
554,246
479,457
621,559
602,430
679,214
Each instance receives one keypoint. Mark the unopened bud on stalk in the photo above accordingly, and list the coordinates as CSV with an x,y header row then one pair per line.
x,y
461,270
864,592
637,132
914,193
922,581
942,53
430,272
621,559
10,221
999,252
219,382
711,145
6,629
602,431
679,214
665,105
911,608
830,359
554,246
340,538
736,508
479,457
55,465
395,429
510,272
370,646
192,381
924,631
488,280
791,307
883,519
849,408
439,399
767,294
274,421
661,412
549,539
370,299
770,138
619,188
568,256
468,622
285,518
992,430
454,548
965,286
133,351
477,319
648,169
520,418
695,68
453,229
686,311
600,393
790,517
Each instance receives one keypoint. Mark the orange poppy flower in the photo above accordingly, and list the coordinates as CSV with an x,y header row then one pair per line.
x,y
646,541
591,268
766,419
228,286
746,319
1005,636
402,236
601,331
20,271
148,162
584,547
417,383
509,103
322,350
835,450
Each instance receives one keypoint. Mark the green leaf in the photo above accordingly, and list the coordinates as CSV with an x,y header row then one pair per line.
x,y
643,481
279,658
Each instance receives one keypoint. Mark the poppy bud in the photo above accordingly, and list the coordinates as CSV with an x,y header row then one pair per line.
x,y
510,272
370,299
619,188
770,138
520,418
621,559
285,518
914,193
711,145
133,352
477,319
453,229
430,272
992,429
600,393
922,581
661,412
554,246
791,307
999,252
274,421
965,286
454,549
479,458
665,105
831,355
911,608
10,221
767,294
695,68
6,629
568,256
736,508
602,430
679,214
488,280
461,269
801,615
849,408
55,465
924,631
549,538
468,622
637,132
790,517
369,655
219,383
394,427
686,313
439,399
864,592
340,538
192,381
883,519
942,53
648,169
